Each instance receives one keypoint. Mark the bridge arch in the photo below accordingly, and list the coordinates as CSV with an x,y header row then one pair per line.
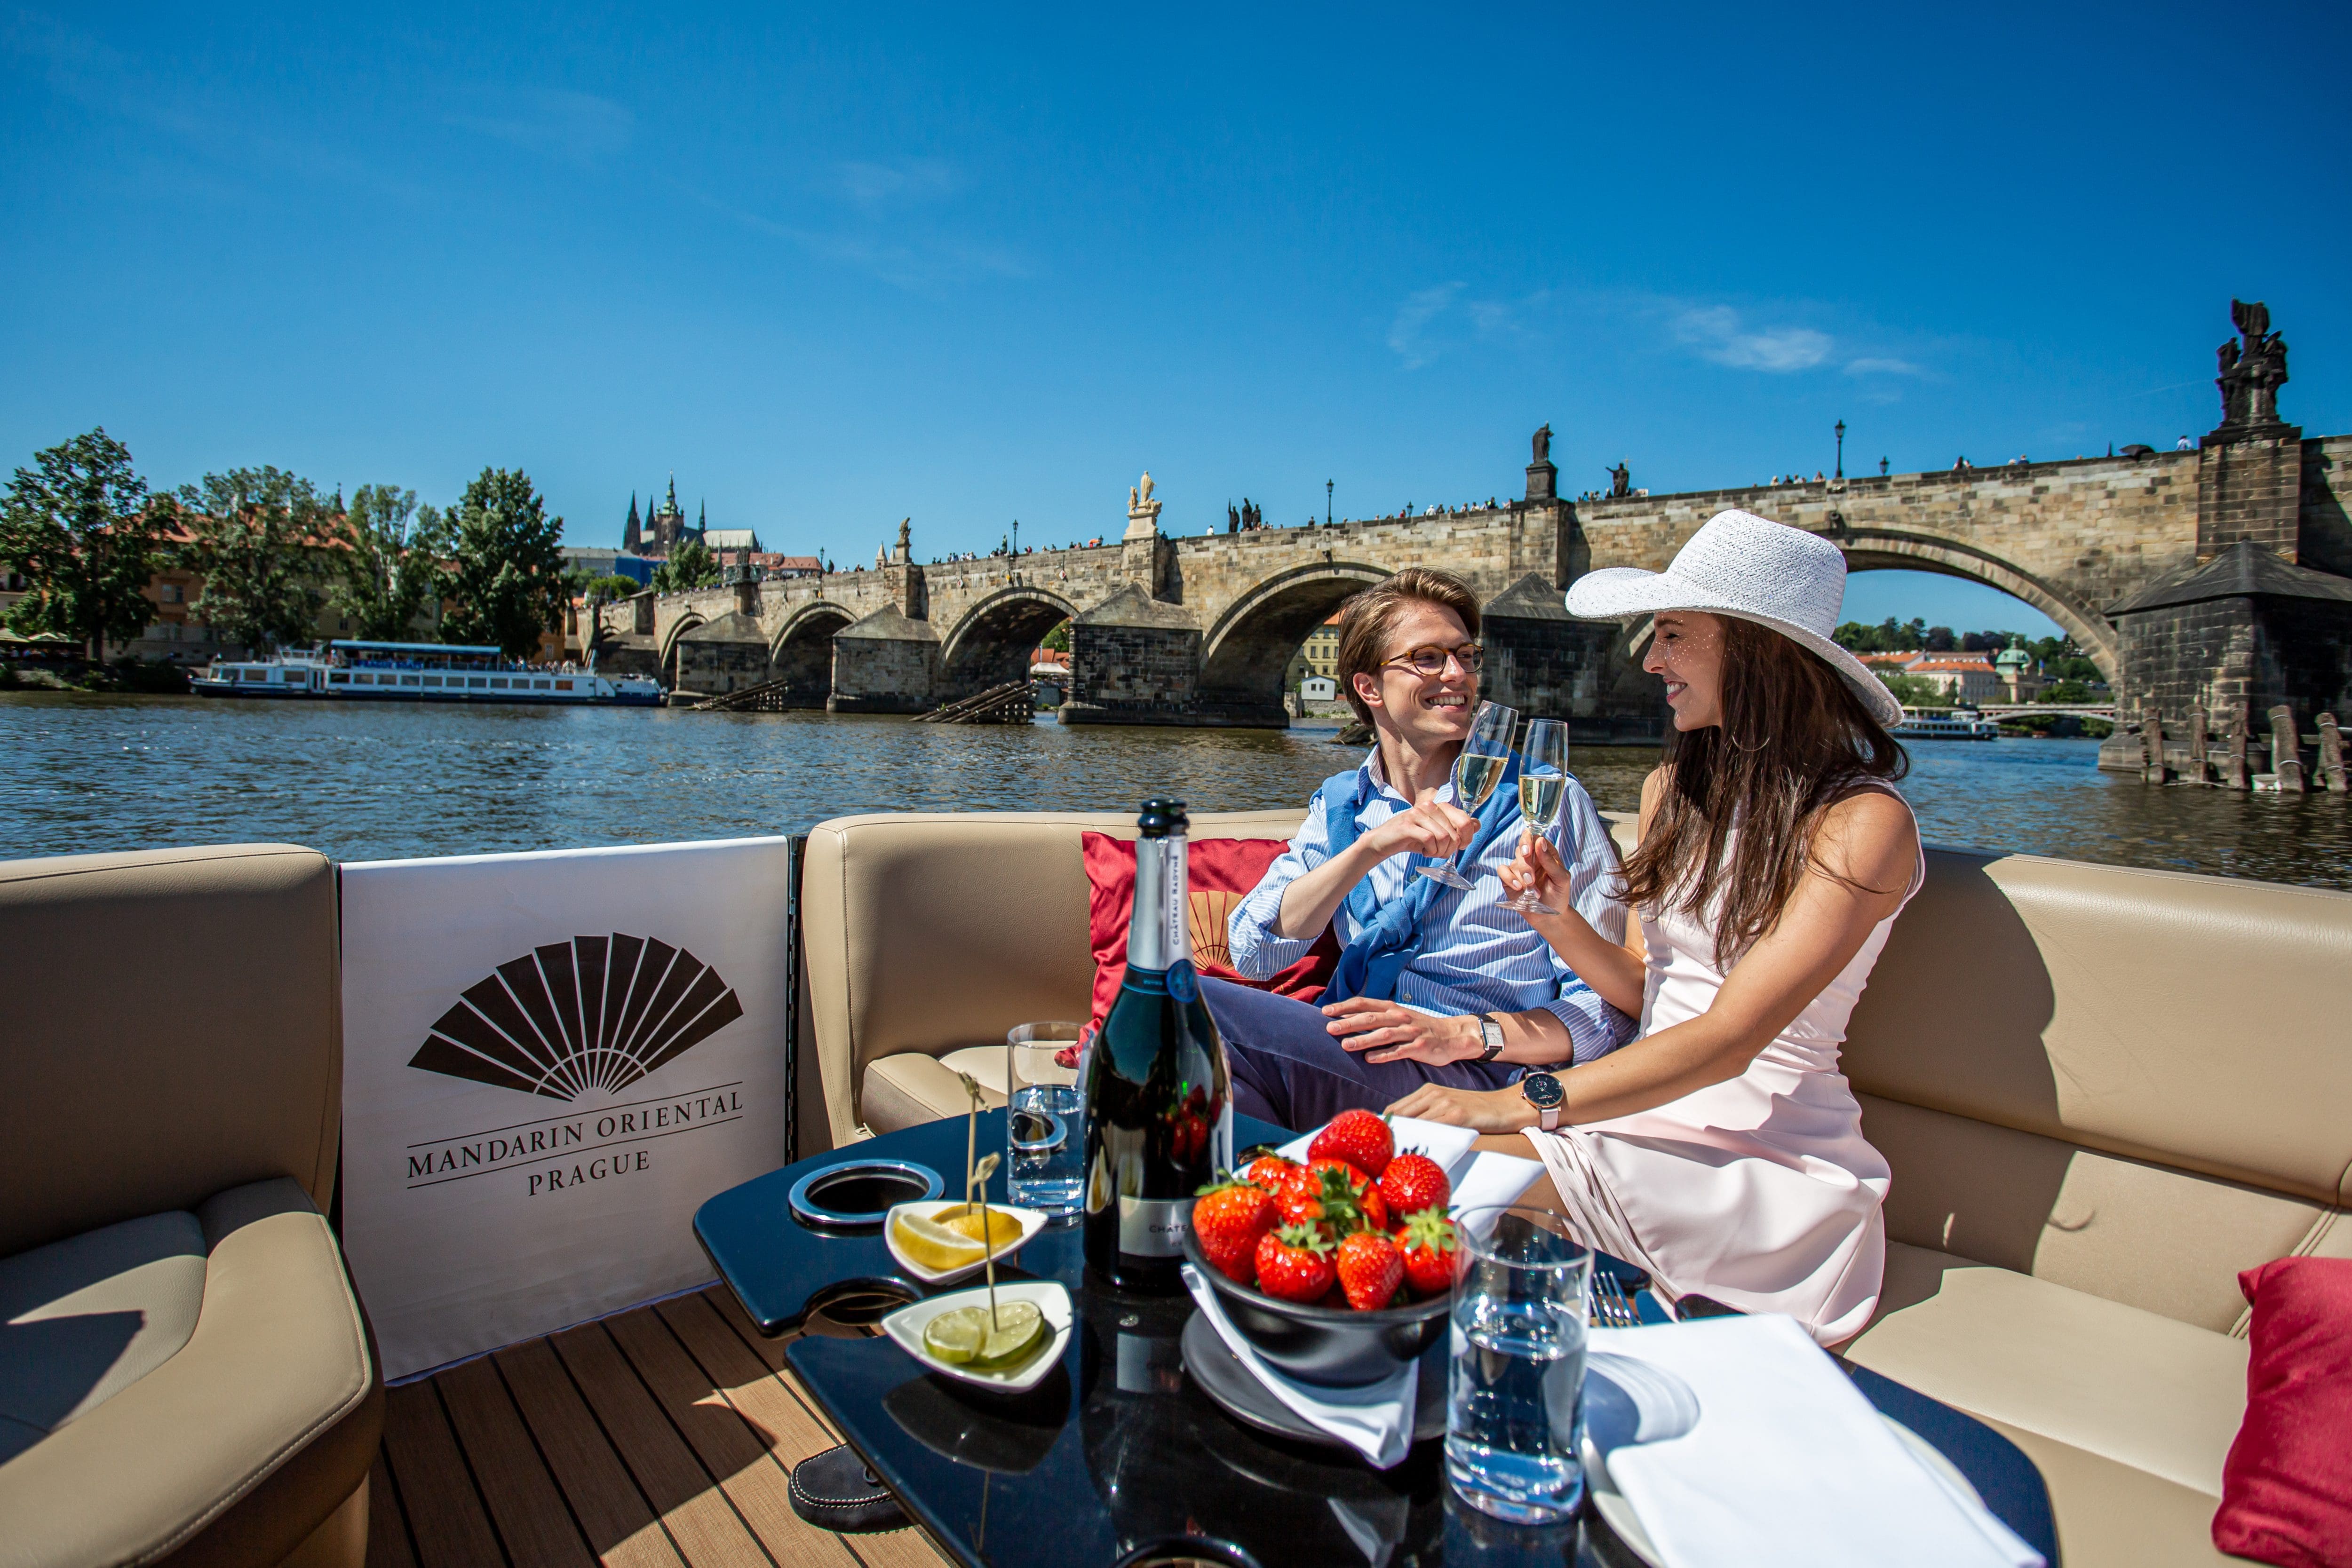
x,y
802,652
1886,549
1243,655
991,643
668,660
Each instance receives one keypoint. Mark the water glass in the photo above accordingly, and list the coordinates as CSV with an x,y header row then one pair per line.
x,y
1515,1408
1043,1119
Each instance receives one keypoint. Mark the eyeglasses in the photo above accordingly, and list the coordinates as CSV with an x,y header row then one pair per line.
x,y
1430,659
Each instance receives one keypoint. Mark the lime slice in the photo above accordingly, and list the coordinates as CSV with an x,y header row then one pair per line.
x,y
934,1246
1019,1327
957,1336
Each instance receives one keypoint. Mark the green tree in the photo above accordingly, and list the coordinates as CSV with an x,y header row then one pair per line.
x,y
1058,639
259,539
391,563
510,582
689,566
1912,690
77,525
614,588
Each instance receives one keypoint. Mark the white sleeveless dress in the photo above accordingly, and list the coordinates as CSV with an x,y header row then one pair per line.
x,y
1760,1191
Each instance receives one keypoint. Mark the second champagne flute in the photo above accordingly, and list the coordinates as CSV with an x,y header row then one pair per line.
x,y
1486,758
1543,787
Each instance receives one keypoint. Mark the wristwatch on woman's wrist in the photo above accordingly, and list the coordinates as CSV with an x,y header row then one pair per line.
x,y
1543,1091
1490,1036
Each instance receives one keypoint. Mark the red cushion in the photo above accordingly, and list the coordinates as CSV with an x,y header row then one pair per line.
x,y
2286,1487
1218,874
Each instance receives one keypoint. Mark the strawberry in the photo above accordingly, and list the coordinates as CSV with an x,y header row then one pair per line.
x,y
1270,1171
1333,1193
1427,1243
1293,1263
1413,1182
1229,1216
1358,1137
1371,1268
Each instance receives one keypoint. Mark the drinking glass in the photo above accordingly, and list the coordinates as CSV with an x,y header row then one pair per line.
x,y
1543,785
1515,1405
1043,1119
1485,757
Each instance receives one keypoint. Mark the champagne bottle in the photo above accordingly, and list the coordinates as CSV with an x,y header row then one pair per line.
x,y
1159,1115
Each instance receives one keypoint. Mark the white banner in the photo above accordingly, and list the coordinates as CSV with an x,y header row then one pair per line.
x,y
549,1061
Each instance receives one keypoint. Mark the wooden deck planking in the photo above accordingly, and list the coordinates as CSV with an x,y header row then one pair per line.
x,y
663,1437
524,1504
620,1525
697,1515
436,1491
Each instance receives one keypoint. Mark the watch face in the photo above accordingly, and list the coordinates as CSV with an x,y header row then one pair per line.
x,y
1543,1091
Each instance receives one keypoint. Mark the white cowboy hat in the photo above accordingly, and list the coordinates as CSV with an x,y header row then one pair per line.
x,y
1751,567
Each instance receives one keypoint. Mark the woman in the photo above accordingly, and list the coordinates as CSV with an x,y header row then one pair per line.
x,y
1722,1150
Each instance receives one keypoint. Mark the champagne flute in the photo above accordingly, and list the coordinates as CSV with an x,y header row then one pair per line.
x,y
1543,787
1485,757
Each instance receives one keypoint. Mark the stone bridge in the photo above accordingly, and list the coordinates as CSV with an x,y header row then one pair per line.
x,y
1199,629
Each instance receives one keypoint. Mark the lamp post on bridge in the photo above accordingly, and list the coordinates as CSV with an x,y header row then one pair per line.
x,y
1327,503
1841,455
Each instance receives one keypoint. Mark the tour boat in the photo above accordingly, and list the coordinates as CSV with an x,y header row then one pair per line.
x,y
1961,725
418,672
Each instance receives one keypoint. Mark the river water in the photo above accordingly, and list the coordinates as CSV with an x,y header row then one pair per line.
x,y
365,781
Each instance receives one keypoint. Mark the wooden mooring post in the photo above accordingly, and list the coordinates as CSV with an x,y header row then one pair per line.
x,y
2234,774
2196,721
2152,770
2286,751
2331,754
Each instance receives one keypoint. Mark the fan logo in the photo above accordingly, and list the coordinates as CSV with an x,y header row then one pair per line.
x,y
593,1013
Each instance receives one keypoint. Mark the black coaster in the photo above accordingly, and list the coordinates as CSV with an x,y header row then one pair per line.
x,y
1222,1377
835,1490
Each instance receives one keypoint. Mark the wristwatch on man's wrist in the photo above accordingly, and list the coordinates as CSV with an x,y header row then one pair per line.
x,y
1543,1090
1490,1036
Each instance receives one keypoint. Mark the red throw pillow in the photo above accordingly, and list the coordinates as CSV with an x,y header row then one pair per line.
x,y
2286,1487
1220,874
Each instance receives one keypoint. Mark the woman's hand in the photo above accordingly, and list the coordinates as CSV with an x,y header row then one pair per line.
x,y
1481,1110
1395,1033
1537,867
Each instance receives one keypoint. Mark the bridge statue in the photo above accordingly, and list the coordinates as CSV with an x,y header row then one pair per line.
x,y
1543,443
906,535
2251,376
1621,480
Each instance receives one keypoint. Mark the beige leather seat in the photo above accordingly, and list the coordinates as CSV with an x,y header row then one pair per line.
x,y
2103,1093
184,1374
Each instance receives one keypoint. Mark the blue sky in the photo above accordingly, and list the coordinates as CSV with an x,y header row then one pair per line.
x,y
835,268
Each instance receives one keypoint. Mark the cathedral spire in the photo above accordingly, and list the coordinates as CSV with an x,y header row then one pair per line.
x,y
632,536
672,508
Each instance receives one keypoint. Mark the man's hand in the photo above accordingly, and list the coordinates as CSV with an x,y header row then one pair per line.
x,y
1481,1110
1392,1032
1431,828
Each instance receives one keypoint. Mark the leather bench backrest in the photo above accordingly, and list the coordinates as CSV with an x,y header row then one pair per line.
x,y
2133,1082
962,926
173,1030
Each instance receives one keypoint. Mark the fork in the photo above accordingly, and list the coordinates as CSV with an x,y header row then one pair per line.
x,y
1612,1308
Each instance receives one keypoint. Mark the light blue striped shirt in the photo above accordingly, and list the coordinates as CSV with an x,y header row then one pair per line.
x,y
1477,956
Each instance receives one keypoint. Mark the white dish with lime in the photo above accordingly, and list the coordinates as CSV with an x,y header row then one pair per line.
x,y
1010,1351
925,1238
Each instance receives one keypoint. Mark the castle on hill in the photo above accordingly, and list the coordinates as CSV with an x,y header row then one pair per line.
x,y
665,526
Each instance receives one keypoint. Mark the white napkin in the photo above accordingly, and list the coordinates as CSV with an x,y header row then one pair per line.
x,y
1375,1420
1478,1180
1787,1462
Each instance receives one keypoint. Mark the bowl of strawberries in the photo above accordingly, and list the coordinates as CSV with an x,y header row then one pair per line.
x,y
1338,1268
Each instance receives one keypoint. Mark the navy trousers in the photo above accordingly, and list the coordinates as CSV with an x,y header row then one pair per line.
x,y
1290,1070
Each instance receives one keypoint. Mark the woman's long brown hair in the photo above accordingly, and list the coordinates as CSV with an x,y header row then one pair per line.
x,y
1795,739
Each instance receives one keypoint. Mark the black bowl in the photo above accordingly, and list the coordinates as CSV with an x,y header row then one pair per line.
x,y
1337,1346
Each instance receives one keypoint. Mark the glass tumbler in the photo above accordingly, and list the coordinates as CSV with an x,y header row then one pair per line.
x,y
1515,1408
1043,1119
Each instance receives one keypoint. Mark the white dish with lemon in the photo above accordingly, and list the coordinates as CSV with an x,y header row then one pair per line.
x,y
1026,1348
940,1243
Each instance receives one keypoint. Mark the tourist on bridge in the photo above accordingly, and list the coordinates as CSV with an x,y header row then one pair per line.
x,y
1723,1151
1436,986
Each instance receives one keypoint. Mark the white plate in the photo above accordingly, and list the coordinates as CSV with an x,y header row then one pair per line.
x,y
906,1327
1618,1514
1032,1221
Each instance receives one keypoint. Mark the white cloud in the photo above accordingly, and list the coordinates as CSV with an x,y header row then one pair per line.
x,y
1409,332
1871,367
1717,333
577,127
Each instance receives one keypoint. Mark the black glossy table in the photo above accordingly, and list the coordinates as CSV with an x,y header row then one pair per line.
x,y
1117,1455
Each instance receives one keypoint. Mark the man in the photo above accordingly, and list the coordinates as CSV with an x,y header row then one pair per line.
x,y
1437,986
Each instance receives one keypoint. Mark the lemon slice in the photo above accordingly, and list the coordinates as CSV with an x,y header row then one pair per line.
x,y
1018,1328
1002,1228
934,1246
957,1336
